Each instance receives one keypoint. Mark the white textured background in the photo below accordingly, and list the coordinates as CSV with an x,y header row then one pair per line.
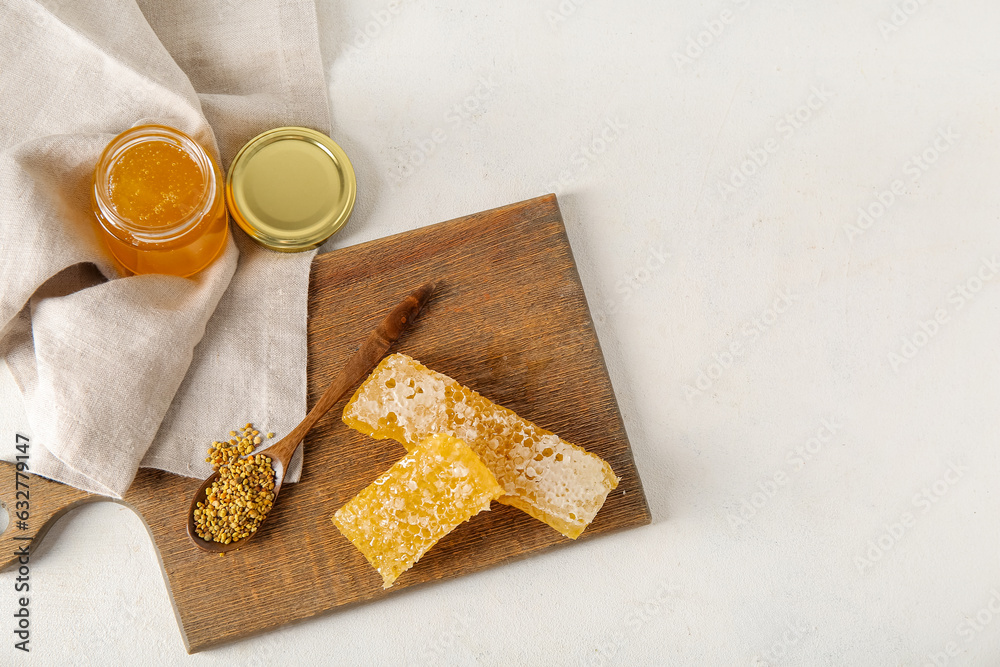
x,y
816,499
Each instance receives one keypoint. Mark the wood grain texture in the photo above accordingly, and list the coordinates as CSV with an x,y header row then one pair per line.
x,y
509,319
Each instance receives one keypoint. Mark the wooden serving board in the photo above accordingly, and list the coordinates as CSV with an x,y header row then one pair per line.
x,y
509,320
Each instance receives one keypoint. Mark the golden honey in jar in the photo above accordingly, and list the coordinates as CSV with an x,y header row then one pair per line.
x,y
159,202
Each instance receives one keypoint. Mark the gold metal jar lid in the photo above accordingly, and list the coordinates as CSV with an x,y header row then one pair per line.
x,y
291,188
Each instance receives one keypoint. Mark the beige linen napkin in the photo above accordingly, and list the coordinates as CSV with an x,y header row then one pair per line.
x,y
117,371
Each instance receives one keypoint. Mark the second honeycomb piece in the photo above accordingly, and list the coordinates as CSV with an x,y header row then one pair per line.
x,y
440,484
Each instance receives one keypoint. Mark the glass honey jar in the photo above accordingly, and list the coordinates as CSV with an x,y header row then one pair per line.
x,y
159,202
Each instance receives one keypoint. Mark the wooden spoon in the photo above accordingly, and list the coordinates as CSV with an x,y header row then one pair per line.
x,y
280,453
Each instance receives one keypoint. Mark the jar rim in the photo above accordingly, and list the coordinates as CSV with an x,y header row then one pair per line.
x,y
125,229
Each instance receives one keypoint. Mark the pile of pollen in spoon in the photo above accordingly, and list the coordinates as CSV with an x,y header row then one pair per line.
x,y
237,502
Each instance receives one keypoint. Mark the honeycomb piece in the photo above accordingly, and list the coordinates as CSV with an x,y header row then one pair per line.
x,y
398,517
558,483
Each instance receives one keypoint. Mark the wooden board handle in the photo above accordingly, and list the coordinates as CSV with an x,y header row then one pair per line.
x,y
46,502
